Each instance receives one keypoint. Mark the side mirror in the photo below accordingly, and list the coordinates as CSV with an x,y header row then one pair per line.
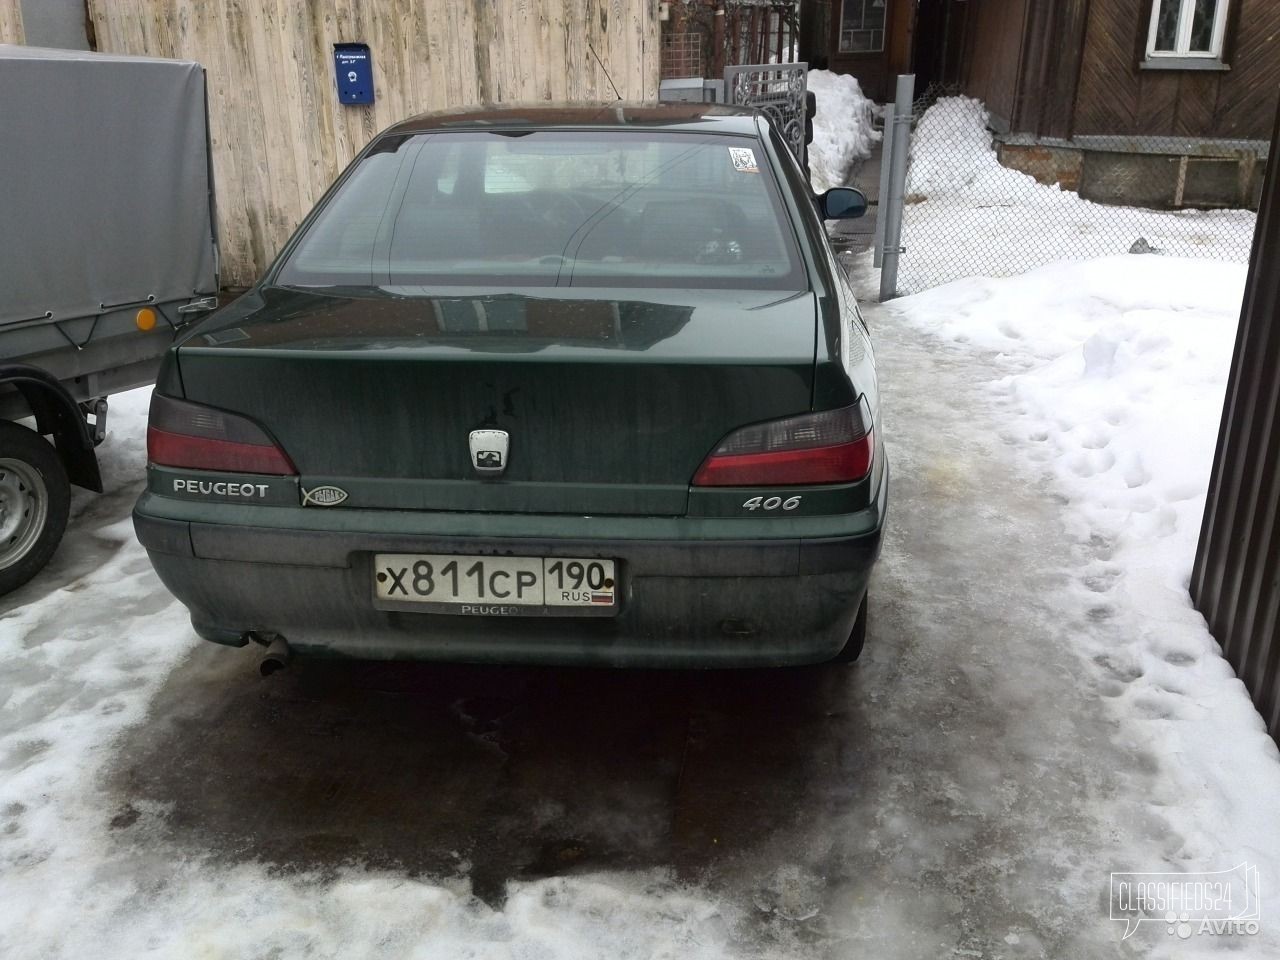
x,y
842,203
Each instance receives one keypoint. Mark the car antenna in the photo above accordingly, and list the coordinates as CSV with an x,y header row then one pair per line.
x,y
604,68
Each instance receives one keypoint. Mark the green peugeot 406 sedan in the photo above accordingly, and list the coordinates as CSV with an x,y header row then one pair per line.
x,y
559,384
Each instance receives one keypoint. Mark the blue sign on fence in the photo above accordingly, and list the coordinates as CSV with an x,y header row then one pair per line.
x,y
353,65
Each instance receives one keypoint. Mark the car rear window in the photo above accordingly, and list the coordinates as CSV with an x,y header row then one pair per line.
x,y
553,208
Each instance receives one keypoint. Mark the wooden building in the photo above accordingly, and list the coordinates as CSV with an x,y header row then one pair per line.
x,y
1165,103
279,134
1065,68
869,39
1161,103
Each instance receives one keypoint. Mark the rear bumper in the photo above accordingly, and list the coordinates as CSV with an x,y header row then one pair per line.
x,y
692,597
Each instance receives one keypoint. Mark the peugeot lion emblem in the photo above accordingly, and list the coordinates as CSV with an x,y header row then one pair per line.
x,y
489,451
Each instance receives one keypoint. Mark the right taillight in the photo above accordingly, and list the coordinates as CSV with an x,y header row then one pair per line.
x,y
185,434
834,446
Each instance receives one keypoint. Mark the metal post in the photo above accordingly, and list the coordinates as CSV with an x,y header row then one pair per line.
x,y
892,210
882,197
717,42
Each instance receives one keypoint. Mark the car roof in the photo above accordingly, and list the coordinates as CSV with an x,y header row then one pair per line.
x,y
683,116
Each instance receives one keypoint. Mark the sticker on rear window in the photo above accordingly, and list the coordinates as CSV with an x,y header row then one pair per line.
x,y
744,159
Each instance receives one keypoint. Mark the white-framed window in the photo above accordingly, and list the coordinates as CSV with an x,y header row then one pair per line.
x,y
1187,28
862,26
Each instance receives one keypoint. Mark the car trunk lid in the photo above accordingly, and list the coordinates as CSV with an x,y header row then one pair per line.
x,y
610,402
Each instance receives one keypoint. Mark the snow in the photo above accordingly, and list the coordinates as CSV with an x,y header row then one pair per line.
x,y
81,664
933,821
242,911
966,215
1112,378
842,128
1116,370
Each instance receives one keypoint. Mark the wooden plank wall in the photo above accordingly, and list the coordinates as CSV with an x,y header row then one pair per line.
x,y
876,72
994,38
1066,40
1116,97
11,22
280,136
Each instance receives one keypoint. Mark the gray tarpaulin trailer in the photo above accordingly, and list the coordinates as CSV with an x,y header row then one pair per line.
x,y
107,248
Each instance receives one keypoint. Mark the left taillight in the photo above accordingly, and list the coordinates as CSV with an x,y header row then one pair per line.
x,y
191,435
832,446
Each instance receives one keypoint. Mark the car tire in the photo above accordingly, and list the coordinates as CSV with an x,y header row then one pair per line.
x,y
35,499
852,648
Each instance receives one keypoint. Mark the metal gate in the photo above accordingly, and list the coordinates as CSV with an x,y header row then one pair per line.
x,y
759,31
777,90
1236,579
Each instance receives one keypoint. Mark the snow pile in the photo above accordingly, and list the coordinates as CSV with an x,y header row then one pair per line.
x,y
842,128
951,153
967,215
1119,370
1130,357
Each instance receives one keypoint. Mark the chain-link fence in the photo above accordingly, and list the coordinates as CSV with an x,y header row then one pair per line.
x,y
978,204
681,54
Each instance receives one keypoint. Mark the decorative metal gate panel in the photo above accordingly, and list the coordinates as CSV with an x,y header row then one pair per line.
x,y
778,90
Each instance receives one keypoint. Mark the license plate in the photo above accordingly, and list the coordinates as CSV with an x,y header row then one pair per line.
x,y
495,586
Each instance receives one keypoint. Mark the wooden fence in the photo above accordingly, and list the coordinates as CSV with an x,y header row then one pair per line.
x,y
280,136
11,22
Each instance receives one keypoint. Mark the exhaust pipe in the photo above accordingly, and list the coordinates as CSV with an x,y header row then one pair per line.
x,y
276,657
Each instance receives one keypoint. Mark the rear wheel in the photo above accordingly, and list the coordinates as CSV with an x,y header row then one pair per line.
x,y
852,648
34,500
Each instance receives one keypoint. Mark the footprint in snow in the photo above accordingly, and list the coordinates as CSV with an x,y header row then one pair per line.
x,y
1125,673
1094,439
1160,523
1154,709
1143,504
1092,463
1101,581
1135,475
1102,547
1082,466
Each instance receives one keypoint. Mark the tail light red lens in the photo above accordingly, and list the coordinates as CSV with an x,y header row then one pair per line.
x,y
185,434
834,446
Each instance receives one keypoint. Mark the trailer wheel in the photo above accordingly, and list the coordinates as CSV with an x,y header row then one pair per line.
x,y
34,500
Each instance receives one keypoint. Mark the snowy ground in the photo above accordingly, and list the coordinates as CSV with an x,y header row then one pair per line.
x,y
842,128
1038,707
1116,373
966,215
